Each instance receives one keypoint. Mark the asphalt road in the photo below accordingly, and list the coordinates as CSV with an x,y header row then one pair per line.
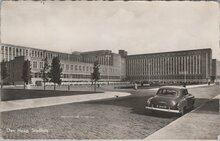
x,y
117,118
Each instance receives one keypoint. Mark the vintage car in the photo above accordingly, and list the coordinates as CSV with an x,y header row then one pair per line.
x,y
173,99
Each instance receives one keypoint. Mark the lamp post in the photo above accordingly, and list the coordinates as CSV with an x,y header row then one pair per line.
x,y
149,73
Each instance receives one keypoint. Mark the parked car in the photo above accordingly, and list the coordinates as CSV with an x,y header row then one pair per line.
x,y
173,99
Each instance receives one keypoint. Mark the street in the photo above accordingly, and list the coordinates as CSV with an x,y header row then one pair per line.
x,y
118,118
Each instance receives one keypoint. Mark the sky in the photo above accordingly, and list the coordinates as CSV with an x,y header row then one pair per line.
x,y
137,27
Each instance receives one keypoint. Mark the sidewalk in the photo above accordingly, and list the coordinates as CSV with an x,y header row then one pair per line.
x,y
202,123
42,102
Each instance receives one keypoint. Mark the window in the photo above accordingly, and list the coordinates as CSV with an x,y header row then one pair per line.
x,y
6,50
26,52
35,75
14,51
87,68
71,67
34,64
83,68
9,51
76,67
67,67
41,65
168,92
23,52
2,49
80,68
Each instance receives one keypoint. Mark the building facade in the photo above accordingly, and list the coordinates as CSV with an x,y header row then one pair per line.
x,y
190,66
215,70
76,66
175,67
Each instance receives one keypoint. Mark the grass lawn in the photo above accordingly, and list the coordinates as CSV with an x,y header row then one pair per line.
x,y
15,94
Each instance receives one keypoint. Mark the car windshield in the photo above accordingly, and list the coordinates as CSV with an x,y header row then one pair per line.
x,y
167,92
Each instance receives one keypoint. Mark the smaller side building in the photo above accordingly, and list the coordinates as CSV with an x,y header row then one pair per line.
x,y
15,68
215,71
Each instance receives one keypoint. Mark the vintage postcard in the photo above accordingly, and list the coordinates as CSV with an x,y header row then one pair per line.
x,y
119,70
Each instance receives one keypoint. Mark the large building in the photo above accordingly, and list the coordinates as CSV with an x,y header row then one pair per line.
x,y
215,70
190,66
175,67
76,66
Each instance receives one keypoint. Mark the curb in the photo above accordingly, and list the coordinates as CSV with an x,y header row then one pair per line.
x,y
149,137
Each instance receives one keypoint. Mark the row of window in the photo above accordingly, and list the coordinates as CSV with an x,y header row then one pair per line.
x,y
68,67
14,51
39,75
35,65
102,59
9,53
174,77
165,65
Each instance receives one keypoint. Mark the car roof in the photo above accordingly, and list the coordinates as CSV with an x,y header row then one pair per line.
x,y
173,87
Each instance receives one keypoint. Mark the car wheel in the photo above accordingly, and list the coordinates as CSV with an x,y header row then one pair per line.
x,y
182,111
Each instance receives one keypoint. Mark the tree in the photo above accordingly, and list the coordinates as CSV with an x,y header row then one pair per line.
x,y
26,73
4,71
96,74
45,72
55,72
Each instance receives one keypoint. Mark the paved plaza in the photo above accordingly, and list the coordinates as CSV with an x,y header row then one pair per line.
x,y
112,118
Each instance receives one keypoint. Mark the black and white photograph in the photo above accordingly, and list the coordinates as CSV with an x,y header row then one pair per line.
x,y
118,70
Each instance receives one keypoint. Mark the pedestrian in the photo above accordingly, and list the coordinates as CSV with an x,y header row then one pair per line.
x,y
135,86
68,87
209,83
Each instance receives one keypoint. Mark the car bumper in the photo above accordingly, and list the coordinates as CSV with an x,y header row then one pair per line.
x,y
160,109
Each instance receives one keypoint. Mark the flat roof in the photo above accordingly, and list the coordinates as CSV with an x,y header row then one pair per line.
x,y
181,51
11,45
73,53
